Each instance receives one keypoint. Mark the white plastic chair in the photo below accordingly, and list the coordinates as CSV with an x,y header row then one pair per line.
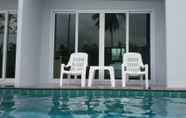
x,y
77,65
133,66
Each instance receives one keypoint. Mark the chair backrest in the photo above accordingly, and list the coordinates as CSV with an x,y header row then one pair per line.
x,y
78,61
133,62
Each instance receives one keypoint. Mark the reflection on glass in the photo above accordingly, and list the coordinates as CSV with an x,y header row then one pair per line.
x,y
64,40
11,45
89,36
115,33
139,33
2,27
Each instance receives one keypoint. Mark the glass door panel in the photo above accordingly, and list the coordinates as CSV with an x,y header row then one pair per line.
x,y
88,40
115,38
139,35
64,40
2,31
11,45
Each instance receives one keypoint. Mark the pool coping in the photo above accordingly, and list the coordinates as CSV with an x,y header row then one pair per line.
x,y
78,92
106,89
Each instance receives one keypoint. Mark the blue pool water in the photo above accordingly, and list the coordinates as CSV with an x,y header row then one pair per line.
x,y
91,104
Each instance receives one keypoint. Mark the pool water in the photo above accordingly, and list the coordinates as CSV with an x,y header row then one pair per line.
x,y
90,104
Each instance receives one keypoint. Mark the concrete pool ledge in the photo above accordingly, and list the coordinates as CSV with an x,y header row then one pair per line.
x,y
129,88
96,86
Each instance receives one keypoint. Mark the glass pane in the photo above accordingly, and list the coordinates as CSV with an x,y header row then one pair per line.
x,y
64,40
115,38
139,33
2,28
89,37
11,45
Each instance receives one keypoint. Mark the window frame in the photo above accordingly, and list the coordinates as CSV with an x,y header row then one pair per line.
x,y
5,43
101,33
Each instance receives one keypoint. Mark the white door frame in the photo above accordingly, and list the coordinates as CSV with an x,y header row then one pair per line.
x,y
101,33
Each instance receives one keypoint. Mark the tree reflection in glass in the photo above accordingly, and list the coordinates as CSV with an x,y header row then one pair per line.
x,y
139,33
64,40
2,24
88,40
11,45
115,33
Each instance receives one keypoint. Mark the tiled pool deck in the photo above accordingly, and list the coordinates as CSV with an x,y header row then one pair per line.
x,y
96,90
76,85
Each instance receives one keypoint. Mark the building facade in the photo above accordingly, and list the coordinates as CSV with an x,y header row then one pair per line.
x,y
37,35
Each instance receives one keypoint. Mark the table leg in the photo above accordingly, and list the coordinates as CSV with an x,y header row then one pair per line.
x,y
111,70
90,77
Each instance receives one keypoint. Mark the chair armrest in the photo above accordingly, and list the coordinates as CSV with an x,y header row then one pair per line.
x,y
85,68
144,67
124,66
65,67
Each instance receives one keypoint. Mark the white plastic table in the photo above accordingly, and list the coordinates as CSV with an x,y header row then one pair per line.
x,y
92,73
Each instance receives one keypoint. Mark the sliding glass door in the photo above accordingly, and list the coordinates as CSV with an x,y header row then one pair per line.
x,y
115,41
139,35
64,40
66,43
11,45
88,40
2,31
8,35
83,32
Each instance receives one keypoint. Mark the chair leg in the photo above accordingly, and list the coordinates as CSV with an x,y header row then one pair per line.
x,y
75,76
112,77
83,79
90,77
61,76
124,78
146,77
82,82
61,80
146,81
141,80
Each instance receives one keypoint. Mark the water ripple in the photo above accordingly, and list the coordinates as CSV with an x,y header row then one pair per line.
x,y
91,107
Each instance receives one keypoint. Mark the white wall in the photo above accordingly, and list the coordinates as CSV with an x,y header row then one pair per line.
x,y
176,43
158,52
28,43
34,49
8,4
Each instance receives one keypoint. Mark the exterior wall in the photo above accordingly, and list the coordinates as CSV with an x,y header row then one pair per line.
x,y
8,4
34,36
34,42
158,50
176,43
28,43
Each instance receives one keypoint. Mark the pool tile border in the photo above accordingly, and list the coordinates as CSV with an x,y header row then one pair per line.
x,y
92,92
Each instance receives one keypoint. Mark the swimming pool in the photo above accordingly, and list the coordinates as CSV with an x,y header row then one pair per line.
x,y
73,103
